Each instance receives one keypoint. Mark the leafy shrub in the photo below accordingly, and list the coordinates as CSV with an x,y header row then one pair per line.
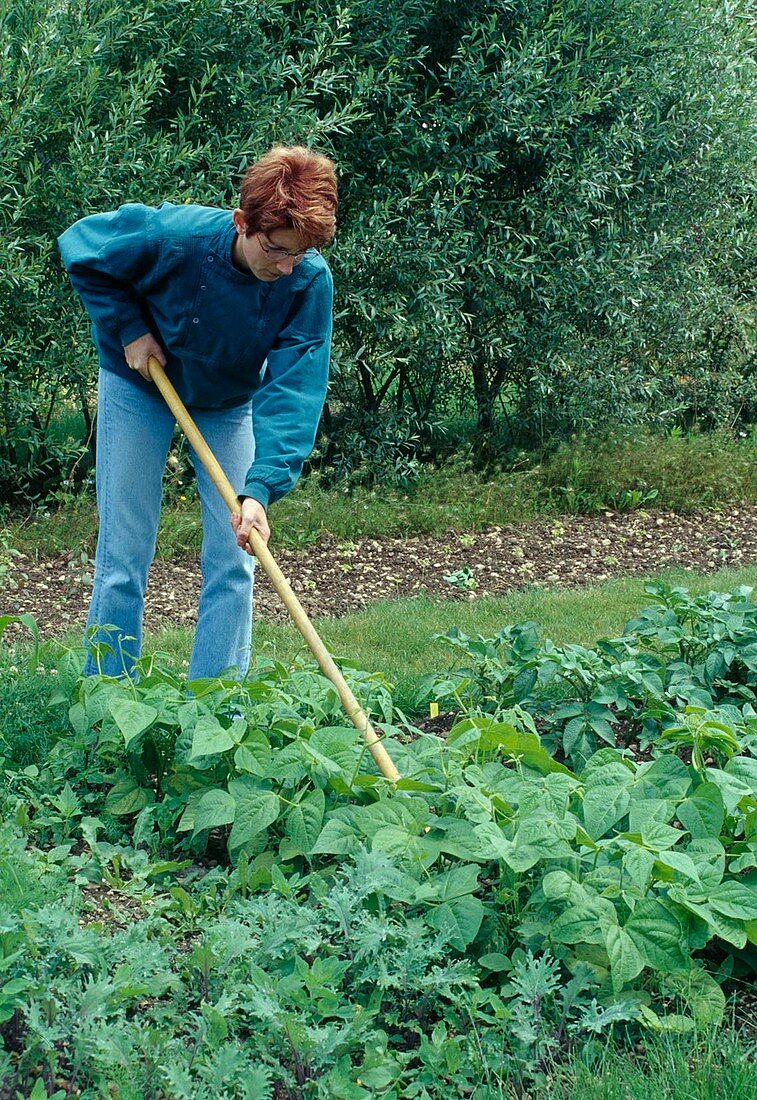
x,y
318,985
544,212
379,449
109,105
540,240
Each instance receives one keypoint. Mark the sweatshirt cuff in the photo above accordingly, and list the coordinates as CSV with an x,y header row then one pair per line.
x,y
258,491
132,331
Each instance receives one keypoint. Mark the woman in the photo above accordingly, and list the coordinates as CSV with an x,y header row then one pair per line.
x,y
237,307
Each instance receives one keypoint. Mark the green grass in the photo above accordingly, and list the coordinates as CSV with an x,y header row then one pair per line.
x,y
685,473
28,726
713,1067
397,637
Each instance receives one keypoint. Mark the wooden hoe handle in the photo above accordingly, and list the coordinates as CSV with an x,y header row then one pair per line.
x,y
351,706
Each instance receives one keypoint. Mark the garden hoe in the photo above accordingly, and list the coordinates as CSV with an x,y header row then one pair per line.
x,y
351,706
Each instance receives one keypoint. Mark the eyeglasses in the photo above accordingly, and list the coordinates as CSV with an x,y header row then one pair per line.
x,y
281,253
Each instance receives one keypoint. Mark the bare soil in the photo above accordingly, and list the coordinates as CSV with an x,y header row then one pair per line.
x,y
334,578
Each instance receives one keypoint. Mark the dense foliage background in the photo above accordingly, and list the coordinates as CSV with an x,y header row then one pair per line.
x,y
545,216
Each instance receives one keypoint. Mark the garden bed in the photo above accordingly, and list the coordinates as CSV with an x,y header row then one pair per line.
x,y
336,577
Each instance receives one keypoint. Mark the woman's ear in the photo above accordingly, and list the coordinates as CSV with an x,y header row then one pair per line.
x,y
240,222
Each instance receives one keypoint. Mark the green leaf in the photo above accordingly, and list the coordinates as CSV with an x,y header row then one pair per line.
x,y
727,928
645,811
341,745
215,808
256,809
187,820
560,886
465,734
658,936
745,860
546,829
680,1025
525,747
638,864
626,962
375,1078
410,812
455,883
603,807
584,923
209,738
703,812
399,842
735,898
217,1026
458,838
254,754
745,769
304,821
70,670
495,961
540,837
417,785
607,767
127,797
131,717
678,862
666,777
493,842
288,766
39,1092
522,857
490,735
66,802
337,838
732,787
703,995
708,856
494,734
659,837
458,920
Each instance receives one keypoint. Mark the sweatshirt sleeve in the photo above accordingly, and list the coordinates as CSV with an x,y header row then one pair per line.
x,y
287,406
105,255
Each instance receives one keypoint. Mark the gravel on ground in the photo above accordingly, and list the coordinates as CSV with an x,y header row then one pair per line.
x,y
335,576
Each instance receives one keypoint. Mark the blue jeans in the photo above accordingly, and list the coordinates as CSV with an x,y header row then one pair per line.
x,y
134,431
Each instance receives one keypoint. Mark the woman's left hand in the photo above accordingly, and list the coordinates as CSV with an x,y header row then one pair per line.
x,y
253,515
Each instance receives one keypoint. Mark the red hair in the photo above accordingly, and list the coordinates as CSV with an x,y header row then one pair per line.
x,y
291,187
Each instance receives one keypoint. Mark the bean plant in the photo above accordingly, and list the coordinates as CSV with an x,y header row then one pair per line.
x,y
298,925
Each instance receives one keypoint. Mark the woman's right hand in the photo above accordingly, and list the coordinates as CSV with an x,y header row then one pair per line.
x,y
139,351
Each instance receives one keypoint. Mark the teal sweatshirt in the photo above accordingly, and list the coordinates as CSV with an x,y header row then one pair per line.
x,y
227,335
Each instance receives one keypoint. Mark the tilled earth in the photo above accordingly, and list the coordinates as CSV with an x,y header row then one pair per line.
x,y
333,577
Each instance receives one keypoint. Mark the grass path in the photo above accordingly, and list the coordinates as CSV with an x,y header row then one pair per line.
x,y
397,637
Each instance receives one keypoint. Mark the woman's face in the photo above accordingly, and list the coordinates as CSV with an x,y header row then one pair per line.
x,y
267,256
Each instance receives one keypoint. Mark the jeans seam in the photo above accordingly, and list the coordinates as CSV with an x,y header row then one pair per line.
x,y
103,501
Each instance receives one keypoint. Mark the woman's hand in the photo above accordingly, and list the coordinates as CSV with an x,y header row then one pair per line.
x,y
139,351
253,515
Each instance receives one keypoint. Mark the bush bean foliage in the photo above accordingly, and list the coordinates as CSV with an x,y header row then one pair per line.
x,y
577,856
